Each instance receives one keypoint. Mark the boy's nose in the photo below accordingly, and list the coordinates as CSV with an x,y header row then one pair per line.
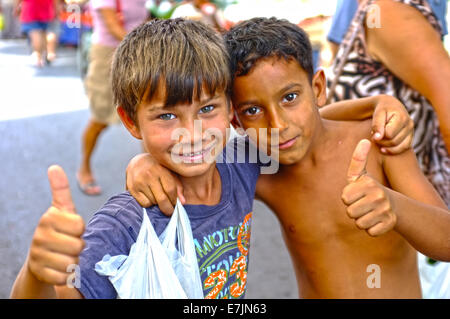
x,y
278,120
194,130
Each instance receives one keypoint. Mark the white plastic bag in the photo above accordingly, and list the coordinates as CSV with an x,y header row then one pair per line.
x,y
434,279
164,267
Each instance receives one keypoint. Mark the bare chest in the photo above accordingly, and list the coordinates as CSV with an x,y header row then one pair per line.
x,y
309,205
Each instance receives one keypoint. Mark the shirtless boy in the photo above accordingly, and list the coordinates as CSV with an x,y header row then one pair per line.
x,y
345,205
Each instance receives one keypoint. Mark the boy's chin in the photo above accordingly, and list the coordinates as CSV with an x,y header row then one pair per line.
x,y
192,169
290,158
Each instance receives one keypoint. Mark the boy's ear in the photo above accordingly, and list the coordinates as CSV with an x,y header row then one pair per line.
x,y
129,123
319,84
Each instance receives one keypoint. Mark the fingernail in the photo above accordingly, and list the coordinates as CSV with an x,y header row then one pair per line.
x,y
377,135
383,150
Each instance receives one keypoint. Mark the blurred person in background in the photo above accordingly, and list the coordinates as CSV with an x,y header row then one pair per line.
x,y
11,26
35,17
201,10
346,9
395,47
112,20
53,31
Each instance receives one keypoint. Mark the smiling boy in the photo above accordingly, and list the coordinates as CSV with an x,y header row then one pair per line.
x,y
326,189
166,75
345,206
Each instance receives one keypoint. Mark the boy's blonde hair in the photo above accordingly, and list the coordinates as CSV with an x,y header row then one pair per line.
x,y
187,55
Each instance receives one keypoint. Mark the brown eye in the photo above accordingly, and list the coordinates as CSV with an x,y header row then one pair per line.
x,y
252,110
290,97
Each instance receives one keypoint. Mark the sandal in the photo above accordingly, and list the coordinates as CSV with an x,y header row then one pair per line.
x,y
89,188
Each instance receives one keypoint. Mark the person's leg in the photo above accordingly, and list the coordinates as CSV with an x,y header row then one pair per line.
x,y
38,45
89,138
103,112
52,39
52,43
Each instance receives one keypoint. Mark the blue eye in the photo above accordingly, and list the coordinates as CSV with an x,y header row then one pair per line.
x,y
290,97
166,116
252,110
207,109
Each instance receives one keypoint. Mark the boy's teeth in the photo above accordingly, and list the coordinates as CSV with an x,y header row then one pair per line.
x,y
193,154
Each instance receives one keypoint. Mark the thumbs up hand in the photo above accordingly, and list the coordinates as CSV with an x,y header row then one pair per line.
x,y
367,201
57,240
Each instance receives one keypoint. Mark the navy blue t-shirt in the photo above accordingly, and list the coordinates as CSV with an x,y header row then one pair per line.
x,y
221,234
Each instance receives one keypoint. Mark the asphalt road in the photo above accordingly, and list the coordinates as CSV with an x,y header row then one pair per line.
x,y
42,115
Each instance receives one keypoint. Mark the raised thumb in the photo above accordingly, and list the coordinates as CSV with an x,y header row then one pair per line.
x,y
358,162
59,185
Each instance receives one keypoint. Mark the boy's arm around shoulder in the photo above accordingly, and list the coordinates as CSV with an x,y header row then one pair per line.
x,y
422,216
392,127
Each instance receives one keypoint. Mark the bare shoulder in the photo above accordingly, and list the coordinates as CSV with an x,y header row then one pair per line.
x,y
357,131
389,8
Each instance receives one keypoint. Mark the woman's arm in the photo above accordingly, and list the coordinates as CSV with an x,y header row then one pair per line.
x,y
112,22
411,49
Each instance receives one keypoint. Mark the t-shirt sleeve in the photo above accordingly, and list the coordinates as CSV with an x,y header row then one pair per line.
x,y
105,234
97,4
345,10
244,152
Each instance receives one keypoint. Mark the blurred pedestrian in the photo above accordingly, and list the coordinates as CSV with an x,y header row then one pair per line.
x,y
345,11
54,31
201,10
112,20
11,26
35,16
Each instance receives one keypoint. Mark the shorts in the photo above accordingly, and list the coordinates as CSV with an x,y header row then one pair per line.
x,y
35,25
98,85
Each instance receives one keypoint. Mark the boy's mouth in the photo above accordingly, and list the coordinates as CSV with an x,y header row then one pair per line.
x,y
287,144
196,156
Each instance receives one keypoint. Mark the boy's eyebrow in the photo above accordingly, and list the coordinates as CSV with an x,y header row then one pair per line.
x,y
209,99
290,86
287,87
156,107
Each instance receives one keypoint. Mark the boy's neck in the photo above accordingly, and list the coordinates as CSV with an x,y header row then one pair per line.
x,y
327,137
205,189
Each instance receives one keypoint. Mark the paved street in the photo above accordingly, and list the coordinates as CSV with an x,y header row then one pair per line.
x,y
42,114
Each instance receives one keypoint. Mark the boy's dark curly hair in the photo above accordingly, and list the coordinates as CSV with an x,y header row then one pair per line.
x,y
257,38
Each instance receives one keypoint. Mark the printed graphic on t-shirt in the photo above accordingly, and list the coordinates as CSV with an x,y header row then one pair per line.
x,y
223,260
